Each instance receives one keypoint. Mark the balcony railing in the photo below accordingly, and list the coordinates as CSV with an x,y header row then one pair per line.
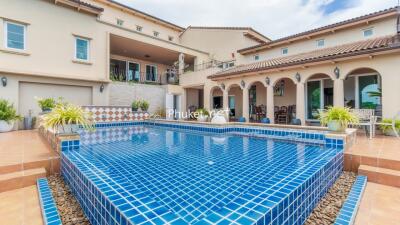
x,y
144,78
210,64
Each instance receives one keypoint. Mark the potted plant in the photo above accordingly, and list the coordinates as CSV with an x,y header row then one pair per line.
x,y
387,129
8,115
144,105
66,118
202,115
337,118
135,105
46,104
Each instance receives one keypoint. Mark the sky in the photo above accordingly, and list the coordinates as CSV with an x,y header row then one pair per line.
x,y
273,18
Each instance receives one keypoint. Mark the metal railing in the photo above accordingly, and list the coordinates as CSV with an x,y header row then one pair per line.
x,y
208,65
145,78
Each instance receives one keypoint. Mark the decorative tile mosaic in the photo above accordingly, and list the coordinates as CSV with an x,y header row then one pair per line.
x,y
49,208
349,209
199,175
115,113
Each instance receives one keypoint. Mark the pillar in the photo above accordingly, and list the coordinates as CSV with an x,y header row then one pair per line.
x,y
225,103
181,63
300,102
183,109
245,102
338,92
270,104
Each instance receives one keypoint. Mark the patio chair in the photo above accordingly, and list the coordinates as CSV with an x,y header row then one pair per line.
x,y
283,117
366,118
392,124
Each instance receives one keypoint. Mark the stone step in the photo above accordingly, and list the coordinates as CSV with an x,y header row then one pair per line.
x,y
380,175
20,179
51,165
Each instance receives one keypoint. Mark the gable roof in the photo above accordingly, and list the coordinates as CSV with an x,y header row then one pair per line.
x,y
145,15
329,28
248,32
341,51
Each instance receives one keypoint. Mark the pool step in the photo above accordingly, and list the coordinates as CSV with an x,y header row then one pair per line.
x,y
52,165
380,175
20,179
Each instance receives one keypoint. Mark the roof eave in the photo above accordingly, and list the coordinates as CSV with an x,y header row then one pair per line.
x,y
327,59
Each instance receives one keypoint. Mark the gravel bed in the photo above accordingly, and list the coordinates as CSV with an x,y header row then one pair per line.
x,y
67,205
328,208
324,214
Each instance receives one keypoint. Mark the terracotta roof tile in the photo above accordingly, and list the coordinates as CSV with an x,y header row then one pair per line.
x,y
87,5
351,49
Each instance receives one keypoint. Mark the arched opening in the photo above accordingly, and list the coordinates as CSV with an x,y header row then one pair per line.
x,y
216,100
257,101
363,90
284,101
319,94
235,102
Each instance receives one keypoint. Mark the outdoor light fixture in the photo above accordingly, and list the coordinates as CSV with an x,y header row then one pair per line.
x,y
267,81
337,72
298,77
4,81
242,83
222,86
101,88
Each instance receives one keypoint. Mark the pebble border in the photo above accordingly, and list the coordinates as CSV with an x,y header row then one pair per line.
x,y
49,209
348,212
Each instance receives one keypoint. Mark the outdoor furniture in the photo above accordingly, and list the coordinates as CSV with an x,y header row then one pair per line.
x,y
392,124
260,113
283,117
366,118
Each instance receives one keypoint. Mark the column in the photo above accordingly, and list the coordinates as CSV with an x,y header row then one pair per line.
x,y
207,98
183,109
225,102
300,102
245,102
338,92
181,63
270,103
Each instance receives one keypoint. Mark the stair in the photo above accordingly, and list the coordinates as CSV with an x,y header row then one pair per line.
x,y
20,179
380,175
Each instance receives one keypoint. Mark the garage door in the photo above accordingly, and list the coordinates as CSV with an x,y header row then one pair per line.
x,y
28,91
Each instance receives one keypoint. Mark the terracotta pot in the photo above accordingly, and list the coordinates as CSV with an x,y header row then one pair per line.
x,y
336,126
6,127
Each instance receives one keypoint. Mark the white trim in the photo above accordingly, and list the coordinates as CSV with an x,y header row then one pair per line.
x,y
6,36
88,48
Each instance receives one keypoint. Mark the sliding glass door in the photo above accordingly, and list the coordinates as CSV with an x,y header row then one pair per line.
x,y
133,71
319,96
368,87
151,73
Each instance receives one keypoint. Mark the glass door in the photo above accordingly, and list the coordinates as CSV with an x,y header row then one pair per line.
x,y
151,73
368,88
231,100
313,99
133,71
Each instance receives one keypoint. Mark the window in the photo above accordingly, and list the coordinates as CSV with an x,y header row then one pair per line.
x,y
151,73
155,33
285,51
15,35
120,22
256,57
170,38
139,28
81,48
368,32
320,43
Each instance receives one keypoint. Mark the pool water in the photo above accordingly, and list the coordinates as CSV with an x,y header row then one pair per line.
x,y
146,174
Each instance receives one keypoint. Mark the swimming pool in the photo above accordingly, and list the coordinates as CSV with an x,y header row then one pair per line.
x,y
164,173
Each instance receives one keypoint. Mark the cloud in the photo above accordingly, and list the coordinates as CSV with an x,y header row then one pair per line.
x,y
273,18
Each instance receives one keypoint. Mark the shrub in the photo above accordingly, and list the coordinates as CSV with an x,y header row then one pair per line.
x,y
144,105
159,113
386,128
340,114
8,112
202,111
135,105
46,104
68,114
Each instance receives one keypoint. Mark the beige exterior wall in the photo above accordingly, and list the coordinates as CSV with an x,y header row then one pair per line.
x,y
380,28
385,65
221,44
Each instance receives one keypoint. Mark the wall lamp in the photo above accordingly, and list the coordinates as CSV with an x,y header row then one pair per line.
x,y
298,77
242,83
222,86
101,88
4,81
336,71
267,81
